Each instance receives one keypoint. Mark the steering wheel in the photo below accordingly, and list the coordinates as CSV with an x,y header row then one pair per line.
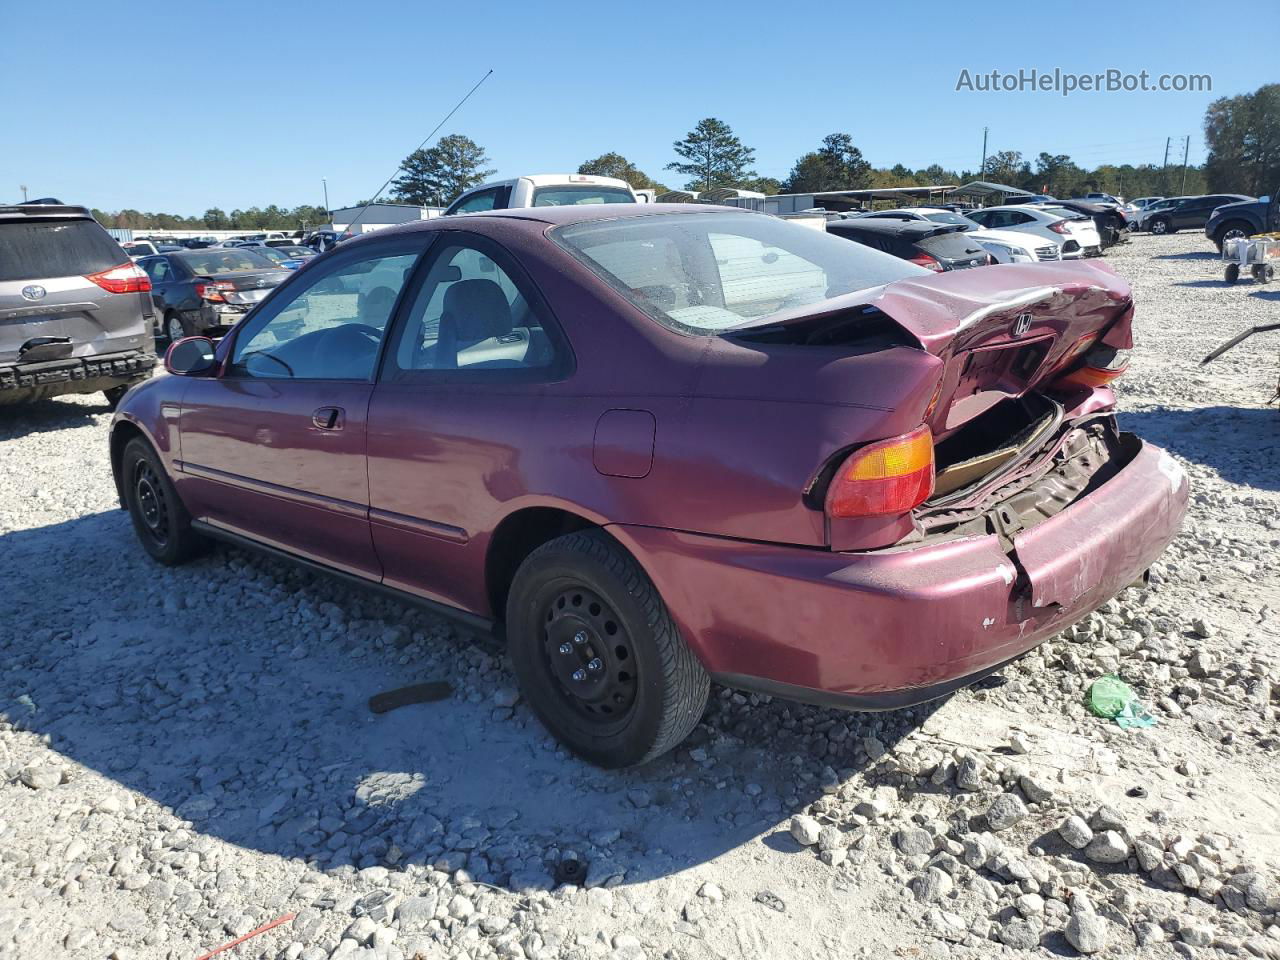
x,y
370,331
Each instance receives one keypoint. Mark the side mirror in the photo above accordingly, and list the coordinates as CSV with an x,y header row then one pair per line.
x,y
190,357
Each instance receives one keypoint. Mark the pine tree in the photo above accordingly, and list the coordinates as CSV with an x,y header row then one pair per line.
x,y
436,175
713,156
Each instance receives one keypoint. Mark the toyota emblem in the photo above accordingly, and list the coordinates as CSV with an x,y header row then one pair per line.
x,y
1021,325
33,291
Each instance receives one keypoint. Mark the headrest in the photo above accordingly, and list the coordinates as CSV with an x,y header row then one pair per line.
x,y
478,309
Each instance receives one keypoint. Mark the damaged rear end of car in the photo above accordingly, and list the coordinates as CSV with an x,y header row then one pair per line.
x,y
1007,504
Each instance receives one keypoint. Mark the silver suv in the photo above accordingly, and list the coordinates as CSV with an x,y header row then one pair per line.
x,y
75,312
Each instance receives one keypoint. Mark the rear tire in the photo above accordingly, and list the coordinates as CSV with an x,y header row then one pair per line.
x,y
176,327
1232,273
159,517
580,600
1160,226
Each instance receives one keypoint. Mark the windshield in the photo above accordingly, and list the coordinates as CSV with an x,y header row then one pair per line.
x,y
704,273
230,260
586,193
1064,213
295,251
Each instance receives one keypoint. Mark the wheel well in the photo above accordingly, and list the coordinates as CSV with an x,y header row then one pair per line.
x,y
1227,225
518,536
120,436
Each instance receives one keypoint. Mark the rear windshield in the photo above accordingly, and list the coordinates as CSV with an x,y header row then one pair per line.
x,y
952,246
45,249
296,251
229,260
946,216
585,193
1064,212
704,273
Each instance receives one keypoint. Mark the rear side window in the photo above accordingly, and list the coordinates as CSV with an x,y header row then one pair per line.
x,y
42,249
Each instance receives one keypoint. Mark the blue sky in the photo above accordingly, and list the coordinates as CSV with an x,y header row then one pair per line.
x,y
185,105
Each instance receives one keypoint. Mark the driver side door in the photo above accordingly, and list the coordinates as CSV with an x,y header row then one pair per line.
x,y
273,447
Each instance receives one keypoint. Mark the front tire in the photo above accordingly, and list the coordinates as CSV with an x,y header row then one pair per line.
x,y
597,655
159,517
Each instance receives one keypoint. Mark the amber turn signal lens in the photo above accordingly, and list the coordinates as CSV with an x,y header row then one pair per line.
x,y
883,478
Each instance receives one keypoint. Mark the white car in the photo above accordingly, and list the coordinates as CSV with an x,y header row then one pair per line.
x,y
1007,246
1074,235
543,190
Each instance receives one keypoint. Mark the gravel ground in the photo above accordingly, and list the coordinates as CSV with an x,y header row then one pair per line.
x,y
187,755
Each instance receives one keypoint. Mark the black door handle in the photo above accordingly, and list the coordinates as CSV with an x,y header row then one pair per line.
x,y
328,418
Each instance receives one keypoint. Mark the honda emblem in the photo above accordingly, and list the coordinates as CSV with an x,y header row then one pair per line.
x,y
1021,325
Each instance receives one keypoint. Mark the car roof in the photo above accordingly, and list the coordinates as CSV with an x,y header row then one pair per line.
x,y
555,216
62,210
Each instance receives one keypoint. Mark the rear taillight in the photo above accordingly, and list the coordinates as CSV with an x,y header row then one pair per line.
x,y
884,478
1059,226
126,278
1100,366
927,261
213,290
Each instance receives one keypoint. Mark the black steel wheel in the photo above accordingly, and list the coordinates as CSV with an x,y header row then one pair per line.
x,y
588,655
597,655
159,517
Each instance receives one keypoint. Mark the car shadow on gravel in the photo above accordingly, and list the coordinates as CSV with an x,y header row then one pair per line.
x,y
1241,443
234,691
47,416
1192,255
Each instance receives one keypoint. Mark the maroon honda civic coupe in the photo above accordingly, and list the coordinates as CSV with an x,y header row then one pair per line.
x,y
656,446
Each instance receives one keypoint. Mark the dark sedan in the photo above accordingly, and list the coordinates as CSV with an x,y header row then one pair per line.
x,y
935,246
204,292
652,448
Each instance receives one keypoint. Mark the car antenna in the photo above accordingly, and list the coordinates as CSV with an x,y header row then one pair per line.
x,y
400,166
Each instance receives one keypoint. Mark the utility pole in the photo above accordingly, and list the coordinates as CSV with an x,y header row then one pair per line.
x,y
982,171
1186,151
23,188
325,183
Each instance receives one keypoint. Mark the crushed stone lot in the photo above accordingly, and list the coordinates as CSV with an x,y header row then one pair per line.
x,y
187,755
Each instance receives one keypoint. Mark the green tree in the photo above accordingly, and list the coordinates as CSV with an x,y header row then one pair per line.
x,y
215,219
438,174
1006,167
616,165
1057,175
712,156
766,185
1243,137
836,165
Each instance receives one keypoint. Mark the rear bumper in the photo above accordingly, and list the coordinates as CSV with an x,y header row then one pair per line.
x,y
886,629
77,374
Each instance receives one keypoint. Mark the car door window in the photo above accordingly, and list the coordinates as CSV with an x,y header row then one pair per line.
x,y
330,325
471,315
